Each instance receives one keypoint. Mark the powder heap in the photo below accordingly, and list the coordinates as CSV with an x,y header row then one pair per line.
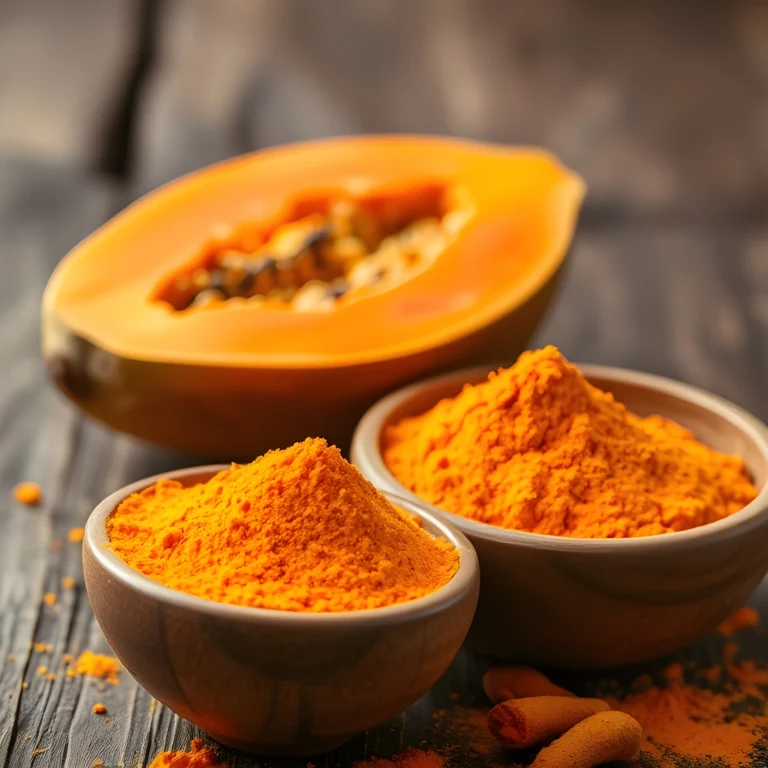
x,y
690,725
537,448
297,530
199,756
96,665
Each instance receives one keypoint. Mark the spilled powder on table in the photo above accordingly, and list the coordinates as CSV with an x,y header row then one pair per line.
x,y
198,756
411,758
96,665
744,618
689,725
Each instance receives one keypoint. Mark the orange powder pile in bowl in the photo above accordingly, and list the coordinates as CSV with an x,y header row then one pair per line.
x,y
296,530
537,448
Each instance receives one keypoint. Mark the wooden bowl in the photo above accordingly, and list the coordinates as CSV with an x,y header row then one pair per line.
x,y
275,682
602,602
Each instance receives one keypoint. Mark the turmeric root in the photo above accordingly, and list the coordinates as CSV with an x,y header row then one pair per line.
x,y
505,683
539,719
598,739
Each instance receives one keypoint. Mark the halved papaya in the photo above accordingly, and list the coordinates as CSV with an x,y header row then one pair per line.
x,y
277,295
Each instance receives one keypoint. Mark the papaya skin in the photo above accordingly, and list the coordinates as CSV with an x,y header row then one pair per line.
x,y
232,382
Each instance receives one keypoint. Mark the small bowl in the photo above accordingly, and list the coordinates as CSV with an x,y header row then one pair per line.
x,y
276,682
602,602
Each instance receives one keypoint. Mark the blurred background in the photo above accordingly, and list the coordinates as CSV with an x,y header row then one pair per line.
x,y
661,106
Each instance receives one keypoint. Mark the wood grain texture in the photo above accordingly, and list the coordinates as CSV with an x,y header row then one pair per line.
x,y
64,69
661,106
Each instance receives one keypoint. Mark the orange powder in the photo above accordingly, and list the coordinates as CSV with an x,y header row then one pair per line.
x,y
411,758
537,448
684,722
744,618
199,756
28,493
96,665
297,530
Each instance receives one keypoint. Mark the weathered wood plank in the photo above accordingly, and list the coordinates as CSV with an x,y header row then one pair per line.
x,y
64,69
659,105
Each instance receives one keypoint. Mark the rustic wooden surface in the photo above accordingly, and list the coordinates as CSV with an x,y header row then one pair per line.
x,y
662,107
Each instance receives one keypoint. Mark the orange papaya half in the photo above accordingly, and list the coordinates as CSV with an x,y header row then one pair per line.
x,y
275,296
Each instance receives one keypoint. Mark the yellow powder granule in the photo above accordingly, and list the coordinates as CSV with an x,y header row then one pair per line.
x,y
296,530
67,583
49,598
75,535
42,670
198,756
744,618
537,448
99,709
42,647
28,493
96,665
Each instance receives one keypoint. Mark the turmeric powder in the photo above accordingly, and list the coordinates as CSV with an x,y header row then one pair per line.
x,y
198,756
96,665
297,530
537,448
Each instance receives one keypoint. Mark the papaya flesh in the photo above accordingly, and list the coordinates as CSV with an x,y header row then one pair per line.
x,y
278,295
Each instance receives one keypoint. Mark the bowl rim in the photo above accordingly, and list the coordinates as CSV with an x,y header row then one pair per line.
x,y
464,580
366,455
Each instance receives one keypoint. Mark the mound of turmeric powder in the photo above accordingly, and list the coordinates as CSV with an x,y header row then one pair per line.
x,y
537,448
297,530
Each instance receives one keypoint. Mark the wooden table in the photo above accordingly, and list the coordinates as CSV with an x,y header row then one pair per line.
x,y
660,105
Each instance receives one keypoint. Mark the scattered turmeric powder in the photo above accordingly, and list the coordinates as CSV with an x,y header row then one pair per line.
x,y
28,493
198,756
537,448
744,618
297,530
42,670
99,709
24,685
411,758
75,535
96,665
49,598
51,676
42,647
67,658
67,582
601,738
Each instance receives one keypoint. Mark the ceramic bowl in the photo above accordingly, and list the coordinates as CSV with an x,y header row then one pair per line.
x,y
275,682
602,603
